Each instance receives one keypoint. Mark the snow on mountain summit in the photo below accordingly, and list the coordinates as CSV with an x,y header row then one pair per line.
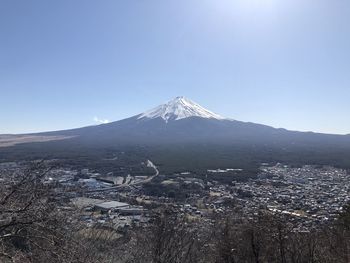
x,y
177,109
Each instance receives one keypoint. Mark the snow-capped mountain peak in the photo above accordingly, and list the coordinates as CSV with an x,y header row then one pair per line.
x,y
177,109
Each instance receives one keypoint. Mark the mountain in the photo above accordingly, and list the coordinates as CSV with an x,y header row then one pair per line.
x,y
177,109
181,134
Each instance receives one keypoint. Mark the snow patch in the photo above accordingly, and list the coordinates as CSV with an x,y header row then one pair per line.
x,y
179,108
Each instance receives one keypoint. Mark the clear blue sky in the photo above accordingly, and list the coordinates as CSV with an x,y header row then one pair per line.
x,y
284,63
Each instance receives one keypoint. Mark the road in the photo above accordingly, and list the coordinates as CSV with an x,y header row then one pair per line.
x,y
149,179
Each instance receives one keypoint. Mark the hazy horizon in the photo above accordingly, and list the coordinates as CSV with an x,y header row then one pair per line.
x,y
71,64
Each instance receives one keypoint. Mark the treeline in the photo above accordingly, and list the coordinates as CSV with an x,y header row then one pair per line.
x,y
180,157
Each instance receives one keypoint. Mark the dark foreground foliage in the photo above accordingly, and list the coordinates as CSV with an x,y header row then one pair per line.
x,y
34,229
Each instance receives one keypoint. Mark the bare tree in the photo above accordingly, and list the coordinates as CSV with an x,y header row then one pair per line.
x,y
32,229
170,239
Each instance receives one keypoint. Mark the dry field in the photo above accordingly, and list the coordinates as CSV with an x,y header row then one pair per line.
x,y
11,140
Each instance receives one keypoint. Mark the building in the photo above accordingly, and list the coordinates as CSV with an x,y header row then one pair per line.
x,y
111,205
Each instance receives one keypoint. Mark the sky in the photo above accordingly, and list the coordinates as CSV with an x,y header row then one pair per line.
x,y
67,64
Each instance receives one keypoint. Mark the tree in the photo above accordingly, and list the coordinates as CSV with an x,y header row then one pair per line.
x,y
170,239
32,229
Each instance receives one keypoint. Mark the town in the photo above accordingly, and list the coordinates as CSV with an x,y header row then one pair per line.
x,y
308,195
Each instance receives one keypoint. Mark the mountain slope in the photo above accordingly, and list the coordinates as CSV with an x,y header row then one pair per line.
x,y
181,133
